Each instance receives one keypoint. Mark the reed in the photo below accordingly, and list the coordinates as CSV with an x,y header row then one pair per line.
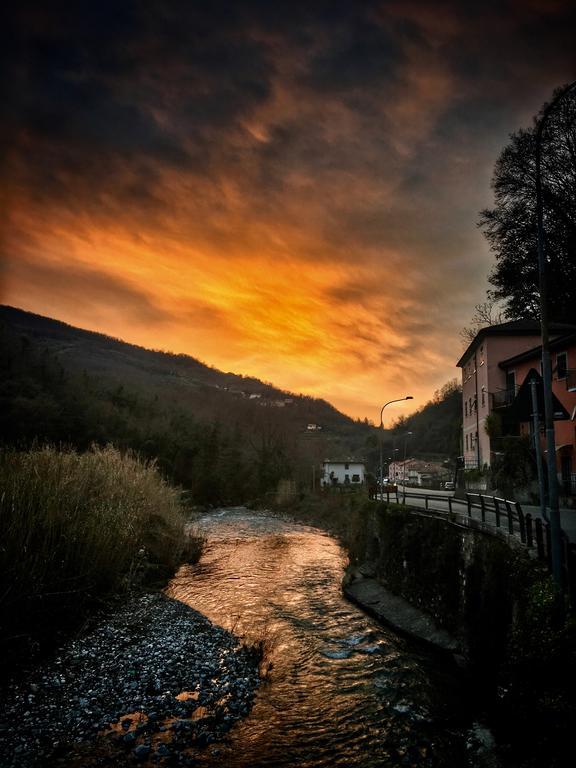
x,y
76,528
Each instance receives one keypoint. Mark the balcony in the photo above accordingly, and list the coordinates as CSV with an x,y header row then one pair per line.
x,y
571,380
502,398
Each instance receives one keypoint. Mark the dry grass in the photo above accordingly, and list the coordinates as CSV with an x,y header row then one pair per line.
x,y
76,527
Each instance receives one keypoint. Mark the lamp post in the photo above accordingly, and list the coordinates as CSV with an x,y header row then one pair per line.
x,y
555,529
406,436
398,400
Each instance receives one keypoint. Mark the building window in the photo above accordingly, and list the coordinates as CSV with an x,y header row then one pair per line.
x,y
346,466
355,478
466,442
561,365
511,380
483,397
470,406
466,408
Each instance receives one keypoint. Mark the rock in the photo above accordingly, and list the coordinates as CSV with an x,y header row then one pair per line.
x,y
141,752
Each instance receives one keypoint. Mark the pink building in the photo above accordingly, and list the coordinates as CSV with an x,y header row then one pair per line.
x,y
485,382
516,369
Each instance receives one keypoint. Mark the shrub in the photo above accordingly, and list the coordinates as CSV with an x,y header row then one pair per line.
x,y
78,527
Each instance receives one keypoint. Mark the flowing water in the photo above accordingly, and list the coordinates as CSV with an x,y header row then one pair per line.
x,y
338,688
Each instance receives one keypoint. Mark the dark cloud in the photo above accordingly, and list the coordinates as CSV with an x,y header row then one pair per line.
x,y
306,176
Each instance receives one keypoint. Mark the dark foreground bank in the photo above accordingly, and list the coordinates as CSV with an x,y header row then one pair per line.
x,y
156,682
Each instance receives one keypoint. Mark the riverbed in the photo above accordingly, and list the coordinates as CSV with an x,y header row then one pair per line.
x,y
314,681
338,688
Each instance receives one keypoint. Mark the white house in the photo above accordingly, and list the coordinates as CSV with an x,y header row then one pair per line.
x,y
347,472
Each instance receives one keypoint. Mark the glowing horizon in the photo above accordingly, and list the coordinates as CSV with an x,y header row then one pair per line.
x,y
284,194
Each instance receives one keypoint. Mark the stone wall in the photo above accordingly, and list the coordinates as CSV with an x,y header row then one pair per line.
x,y
473,585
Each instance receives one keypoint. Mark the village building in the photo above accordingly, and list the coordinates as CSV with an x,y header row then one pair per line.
x,y
417,472
515,406
486,384
345,472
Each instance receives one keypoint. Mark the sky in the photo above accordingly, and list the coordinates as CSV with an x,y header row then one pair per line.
x,y
287,190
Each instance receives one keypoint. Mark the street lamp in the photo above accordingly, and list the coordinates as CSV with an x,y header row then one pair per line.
x,y
555,529
398,400
406,436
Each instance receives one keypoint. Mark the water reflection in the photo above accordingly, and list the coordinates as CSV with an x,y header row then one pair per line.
x,y
340,690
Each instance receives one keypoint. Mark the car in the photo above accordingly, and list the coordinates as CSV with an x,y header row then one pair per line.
x,y
449,485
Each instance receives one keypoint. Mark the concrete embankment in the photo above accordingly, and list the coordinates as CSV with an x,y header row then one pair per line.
x,y
367,592
485,600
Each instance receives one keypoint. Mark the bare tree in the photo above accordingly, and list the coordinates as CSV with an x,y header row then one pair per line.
x,y
485,314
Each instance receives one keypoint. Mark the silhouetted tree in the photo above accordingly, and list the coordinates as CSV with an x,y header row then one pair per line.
x,y
511,228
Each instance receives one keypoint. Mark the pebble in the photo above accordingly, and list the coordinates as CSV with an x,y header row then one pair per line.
x,y
127,671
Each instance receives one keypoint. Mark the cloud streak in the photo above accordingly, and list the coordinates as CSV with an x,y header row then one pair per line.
x,y
289,192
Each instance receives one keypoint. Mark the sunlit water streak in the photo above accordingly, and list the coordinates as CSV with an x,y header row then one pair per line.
x,y
342,690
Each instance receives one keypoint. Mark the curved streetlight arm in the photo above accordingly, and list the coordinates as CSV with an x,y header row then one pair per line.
x,y
398,400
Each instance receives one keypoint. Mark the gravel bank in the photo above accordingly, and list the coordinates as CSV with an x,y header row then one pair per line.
x,y
155,683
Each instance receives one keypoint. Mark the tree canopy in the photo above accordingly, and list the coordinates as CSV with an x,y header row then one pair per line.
x,y
511,226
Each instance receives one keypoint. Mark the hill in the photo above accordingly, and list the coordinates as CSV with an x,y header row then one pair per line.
x,y
223,436
434,429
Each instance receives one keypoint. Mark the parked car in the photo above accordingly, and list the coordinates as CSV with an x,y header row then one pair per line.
x,y
389,487
449,485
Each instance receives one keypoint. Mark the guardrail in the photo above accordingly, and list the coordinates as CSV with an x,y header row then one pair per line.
x,y
499,516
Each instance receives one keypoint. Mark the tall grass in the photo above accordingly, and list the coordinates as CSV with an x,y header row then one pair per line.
x,y
74,528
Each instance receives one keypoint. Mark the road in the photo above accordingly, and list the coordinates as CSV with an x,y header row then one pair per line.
x,y
441,504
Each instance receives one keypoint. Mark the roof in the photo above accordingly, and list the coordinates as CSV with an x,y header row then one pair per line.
x,y
344,461
557,343
525,327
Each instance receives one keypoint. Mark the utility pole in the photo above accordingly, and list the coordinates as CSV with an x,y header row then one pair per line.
x,y
555,528
537,449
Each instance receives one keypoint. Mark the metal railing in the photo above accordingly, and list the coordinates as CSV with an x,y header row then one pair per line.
x,y
501,517
502,398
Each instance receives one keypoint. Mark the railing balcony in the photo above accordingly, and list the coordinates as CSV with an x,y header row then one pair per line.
x,y
571,380
502,398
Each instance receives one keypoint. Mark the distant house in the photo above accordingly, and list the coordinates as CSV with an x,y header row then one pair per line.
x,y
486,385
345,472
313,427
417,472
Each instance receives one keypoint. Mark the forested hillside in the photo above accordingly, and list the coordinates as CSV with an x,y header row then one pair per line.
x,y
436,427
435,431
224,437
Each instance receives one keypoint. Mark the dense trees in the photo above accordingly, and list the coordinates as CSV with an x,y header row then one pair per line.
x,y
511,226
222,447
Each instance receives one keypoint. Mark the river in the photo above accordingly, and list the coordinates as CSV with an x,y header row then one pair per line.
x,y
338,689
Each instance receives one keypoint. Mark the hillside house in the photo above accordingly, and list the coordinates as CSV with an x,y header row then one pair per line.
x,y
486,384
345,472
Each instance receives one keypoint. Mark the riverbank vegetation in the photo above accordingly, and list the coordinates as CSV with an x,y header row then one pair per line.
x,y
78,529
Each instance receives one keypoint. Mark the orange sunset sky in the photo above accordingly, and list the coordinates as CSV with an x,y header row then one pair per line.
x,y
285,190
